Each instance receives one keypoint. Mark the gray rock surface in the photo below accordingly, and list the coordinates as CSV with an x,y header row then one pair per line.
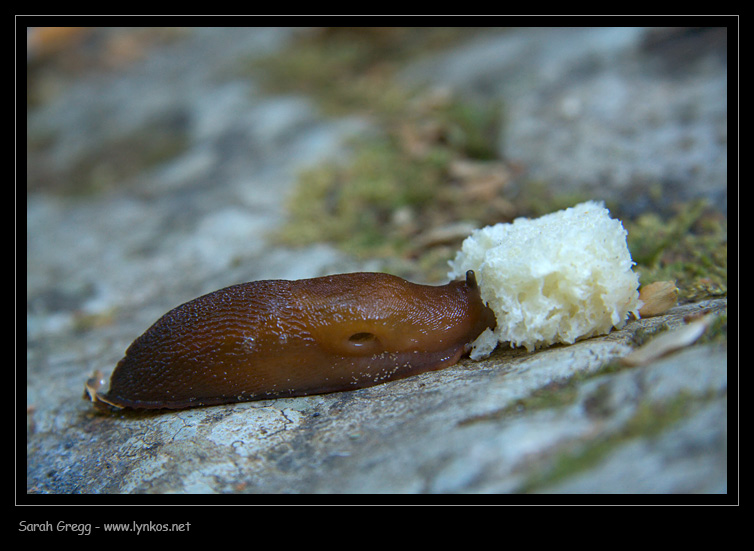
x,y
588,108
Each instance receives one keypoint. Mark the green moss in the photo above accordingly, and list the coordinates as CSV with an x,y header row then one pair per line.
x,y
354,205
690,247
396,183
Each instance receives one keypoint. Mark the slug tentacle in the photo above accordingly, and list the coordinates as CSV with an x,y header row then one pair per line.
x,y
280,338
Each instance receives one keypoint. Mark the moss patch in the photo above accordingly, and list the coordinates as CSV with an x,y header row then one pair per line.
x,y
690,247
399,184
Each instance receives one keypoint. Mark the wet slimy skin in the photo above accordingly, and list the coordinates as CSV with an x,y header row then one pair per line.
x,y
281,338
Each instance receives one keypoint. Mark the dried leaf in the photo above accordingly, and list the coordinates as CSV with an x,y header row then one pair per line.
x,y
658,298
668,342
448,233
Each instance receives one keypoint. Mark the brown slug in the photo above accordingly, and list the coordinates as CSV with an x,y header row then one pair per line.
x,y
279,338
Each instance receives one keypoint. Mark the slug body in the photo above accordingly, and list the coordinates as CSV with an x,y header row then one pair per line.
x,y
279,338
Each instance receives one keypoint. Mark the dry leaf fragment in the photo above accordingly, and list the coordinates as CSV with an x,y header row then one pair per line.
x,y
658,298
668,342
448,233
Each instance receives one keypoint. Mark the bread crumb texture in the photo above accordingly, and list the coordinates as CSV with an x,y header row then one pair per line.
x,y
564,276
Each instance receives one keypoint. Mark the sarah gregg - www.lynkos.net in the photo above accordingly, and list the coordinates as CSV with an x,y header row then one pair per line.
x,y
84,529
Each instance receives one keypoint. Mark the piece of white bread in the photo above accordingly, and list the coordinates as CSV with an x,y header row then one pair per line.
x,y
554,279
